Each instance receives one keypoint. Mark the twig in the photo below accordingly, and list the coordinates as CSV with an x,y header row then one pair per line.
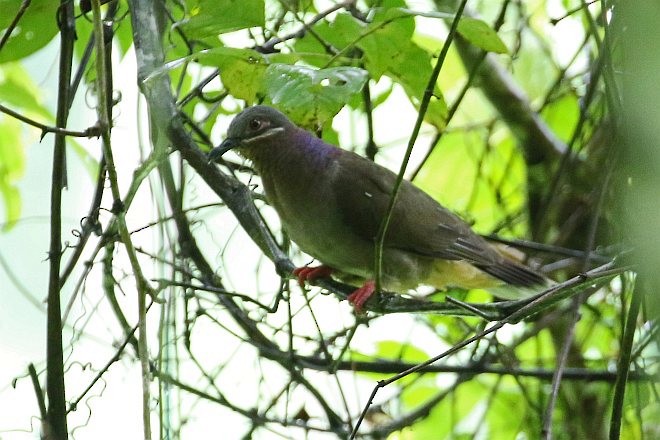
x,y
423,106
623,365
143,288
21,10
474,69
269,46
128,338
218,291
385,366
55,388
549,248
93,131
533,306
511,102
546,431
38,391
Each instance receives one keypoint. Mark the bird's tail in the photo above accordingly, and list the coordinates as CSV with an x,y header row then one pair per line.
x,y
520,281
506,279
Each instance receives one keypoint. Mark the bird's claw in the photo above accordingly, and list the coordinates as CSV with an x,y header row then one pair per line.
x,y
360,296
306,273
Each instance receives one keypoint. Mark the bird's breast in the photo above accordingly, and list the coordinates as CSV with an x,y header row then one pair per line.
x,y
309,213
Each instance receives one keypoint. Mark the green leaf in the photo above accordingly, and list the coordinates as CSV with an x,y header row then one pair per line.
x,y
389,50
18,90
481,35
468,175
213,17
476,31
241,70
340,33
311,97
12,166
386,41
396,350
562,115
412,72
37,27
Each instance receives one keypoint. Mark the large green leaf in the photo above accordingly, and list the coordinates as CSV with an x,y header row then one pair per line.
x,y
311,97
471,176
339,34
476,31
213,17
241,70
18,90
386,40
481,35
36,28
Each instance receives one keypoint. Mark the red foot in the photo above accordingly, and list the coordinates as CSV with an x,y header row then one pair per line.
x,y
311,273
361,295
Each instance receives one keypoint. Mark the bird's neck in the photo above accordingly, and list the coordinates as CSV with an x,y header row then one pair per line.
x,y
297,149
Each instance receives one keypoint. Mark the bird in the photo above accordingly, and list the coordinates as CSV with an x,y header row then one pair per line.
x,y
331,203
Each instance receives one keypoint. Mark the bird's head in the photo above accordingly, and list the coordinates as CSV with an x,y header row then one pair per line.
x,y
253,127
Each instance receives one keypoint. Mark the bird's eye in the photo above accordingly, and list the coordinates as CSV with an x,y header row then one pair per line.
x,y
254,124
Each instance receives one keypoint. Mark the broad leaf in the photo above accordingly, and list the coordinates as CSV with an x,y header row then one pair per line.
x,y
214,17
37,27
481,35
311,97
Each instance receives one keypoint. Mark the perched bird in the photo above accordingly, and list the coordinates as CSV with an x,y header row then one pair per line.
x,y
331,203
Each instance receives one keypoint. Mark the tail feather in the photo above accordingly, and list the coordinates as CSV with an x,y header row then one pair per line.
x,y
514,273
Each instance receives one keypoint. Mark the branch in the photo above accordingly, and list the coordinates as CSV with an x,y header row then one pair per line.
x,y
56,423
10,29
93,131
269,46
535,137
623,364
423,106
518,312
384,366
165,118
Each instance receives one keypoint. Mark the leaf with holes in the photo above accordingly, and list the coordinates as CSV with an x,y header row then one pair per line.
x,y
311,97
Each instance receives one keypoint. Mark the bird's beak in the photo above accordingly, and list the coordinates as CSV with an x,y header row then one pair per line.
x,y
221,149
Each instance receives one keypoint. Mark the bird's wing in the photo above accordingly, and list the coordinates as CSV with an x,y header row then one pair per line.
x,y
418,224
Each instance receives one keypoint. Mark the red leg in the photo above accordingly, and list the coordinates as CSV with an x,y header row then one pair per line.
x,y
361,295
311,273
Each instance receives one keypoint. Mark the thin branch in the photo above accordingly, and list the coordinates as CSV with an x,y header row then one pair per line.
x,y
535,137
10,29
128,338
103,110
546,431
518,313
269,46
41,401
385,366
55,421
423,106
93,131
623,364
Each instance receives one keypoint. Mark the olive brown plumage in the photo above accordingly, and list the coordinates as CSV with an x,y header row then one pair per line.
x,y
331,203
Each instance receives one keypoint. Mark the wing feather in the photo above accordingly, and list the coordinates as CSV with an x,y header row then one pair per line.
x,y
419,224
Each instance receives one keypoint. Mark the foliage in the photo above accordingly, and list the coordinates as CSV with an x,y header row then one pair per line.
x,y
179,266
